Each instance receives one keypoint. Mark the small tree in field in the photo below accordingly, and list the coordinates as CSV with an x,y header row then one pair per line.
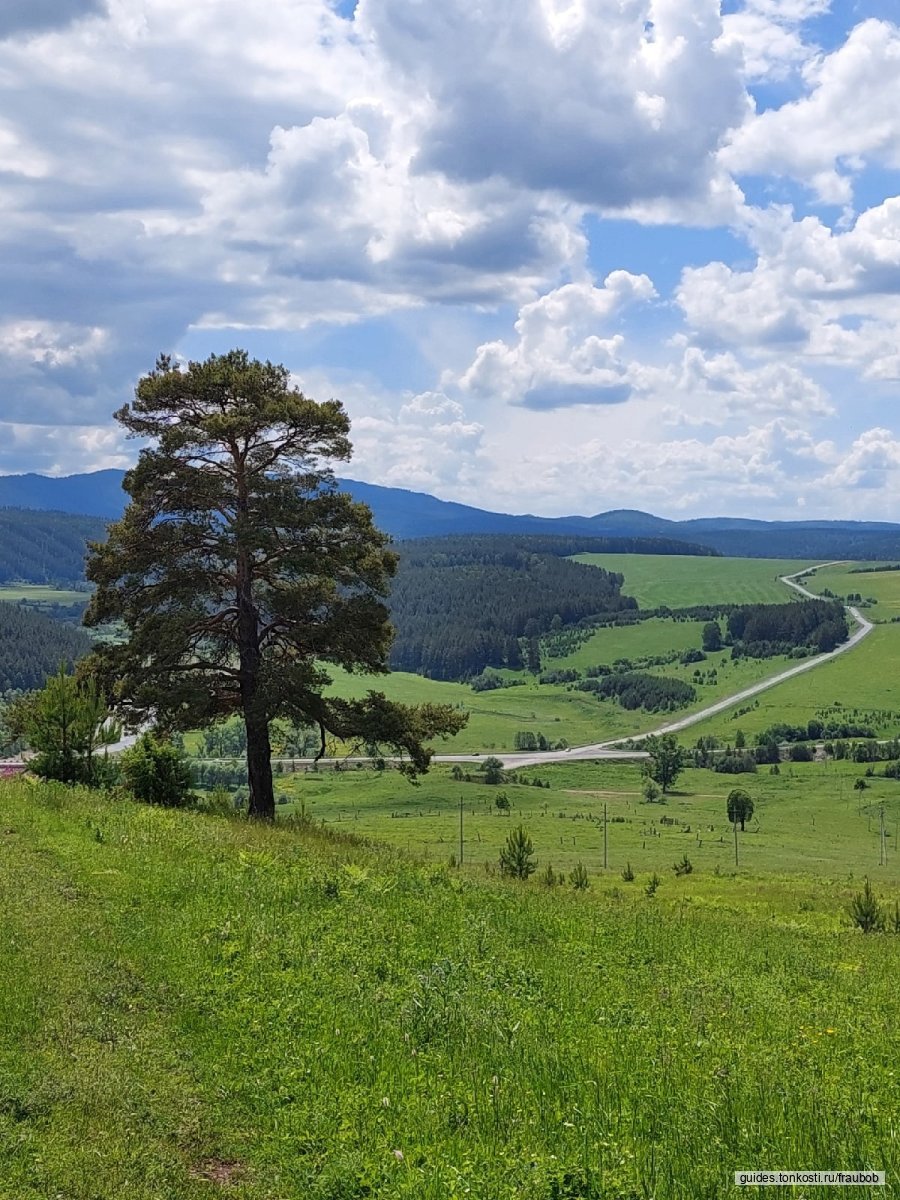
x,y
157,772
712,636
239,571
66,723
865,912
579,878
740,806
667,760
517,856
492,769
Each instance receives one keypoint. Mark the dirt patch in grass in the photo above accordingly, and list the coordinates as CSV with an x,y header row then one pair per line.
x,y
222,1171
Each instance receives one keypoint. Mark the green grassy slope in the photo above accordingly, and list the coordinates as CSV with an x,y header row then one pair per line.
x,y
191,1007
496,717
37,593
881,586
679,581
864,680
808,820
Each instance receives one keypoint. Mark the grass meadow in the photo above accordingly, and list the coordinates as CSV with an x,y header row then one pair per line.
x,y
193,1007
37,593
680,581
559,711
808,820
863,681
881,586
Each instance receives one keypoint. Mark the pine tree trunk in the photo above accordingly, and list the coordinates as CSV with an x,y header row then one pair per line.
x,y
259,769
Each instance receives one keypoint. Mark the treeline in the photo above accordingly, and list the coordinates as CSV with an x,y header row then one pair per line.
x,y
634,689
32,647
45,547
461,604
764,630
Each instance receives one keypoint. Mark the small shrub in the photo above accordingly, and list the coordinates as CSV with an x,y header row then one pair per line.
x,y
579,878
653,884
548,876
628,873
650,791
684,867
157,772
217,803
517,856
865,911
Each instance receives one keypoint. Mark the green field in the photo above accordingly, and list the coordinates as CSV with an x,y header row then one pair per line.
x,y
864,680
37,593
653,637
808,820
884,587
192,1007
554,710
680,581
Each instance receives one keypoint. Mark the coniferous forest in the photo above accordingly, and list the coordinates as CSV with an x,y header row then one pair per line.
x,y
462,604
32,646
45,547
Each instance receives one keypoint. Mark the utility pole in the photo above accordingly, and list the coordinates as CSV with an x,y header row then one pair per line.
x,y
735,843
460,830
883,848
605,841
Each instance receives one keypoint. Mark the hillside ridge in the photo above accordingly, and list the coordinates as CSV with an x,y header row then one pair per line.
x,y
409,514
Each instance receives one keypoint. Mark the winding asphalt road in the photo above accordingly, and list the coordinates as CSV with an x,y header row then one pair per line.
x,y
612,749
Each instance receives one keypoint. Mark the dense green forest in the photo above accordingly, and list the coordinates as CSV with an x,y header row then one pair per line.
x,y
45,547
460,604
636,689
764,630
32,646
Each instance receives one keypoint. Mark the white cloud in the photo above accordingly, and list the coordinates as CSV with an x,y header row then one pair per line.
x,y
610,103
714,389
560,358
833,297
850,116
769,36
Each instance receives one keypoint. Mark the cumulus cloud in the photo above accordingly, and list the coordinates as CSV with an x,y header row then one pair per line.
x,y
608,102
849,116
769,36
560,358
812,292
712,389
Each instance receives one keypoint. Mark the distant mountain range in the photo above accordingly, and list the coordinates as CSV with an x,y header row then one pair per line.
x,y
406,514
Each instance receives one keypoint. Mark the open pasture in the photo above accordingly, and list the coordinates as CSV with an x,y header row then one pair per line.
x,y
808,820
882,586
192,1007
657,636
865,679
680,581
554,710
38,593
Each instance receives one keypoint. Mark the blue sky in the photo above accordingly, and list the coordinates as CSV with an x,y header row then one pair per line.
x,y
553,255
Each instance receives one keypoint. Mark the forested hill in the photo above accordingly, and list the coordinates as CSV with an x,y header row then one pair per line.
x,y
406,514
461,604
32,646
45,547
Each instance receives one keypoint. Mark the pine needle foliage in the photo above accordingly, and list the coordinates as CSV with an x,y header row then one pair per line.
x,y
240,571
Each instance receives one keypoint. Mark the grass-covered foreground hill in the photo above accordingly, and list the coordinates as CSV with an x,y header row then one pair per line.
x,y
191,1007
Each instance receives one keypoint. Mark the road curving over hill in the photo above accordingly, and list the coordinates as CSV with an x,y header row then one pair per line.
x,y
614,749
